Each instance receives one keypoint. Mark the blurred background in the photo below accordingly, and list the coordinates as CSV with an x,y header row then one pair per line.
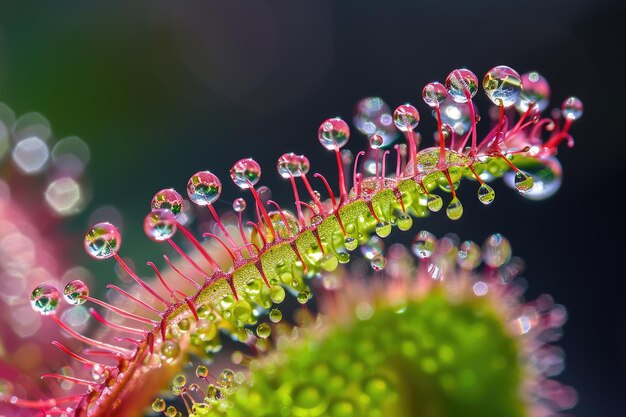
x,y
160,90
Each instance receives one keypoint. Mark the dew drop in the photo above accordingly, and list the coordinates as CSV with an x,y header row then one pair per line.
x,y
242,311
523,182
277,294
461,82
496,250
406,117
547,175
502,85
239,204
245,173
376,141
333,133
204,188
160,225
454,211
158,405
572,108
226,378
456,116
263,330
434,202
424,244
167,199
44,299
102,241
373,116
468,257
383,229
405,222
170,351
329,262
378,263
307,397
179,381
350,243
75,292
303,297
434,94
184,325
171,411
290,164
486,195
202,371
276,315
535,89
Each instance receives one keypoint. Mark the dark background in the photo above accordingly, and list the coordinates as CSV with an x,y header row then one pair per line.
x,y
161,90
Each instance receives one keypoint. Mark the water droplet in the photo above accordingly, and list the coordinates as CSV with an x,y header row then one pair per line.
x,y
205,329
103,241
167,199
424,244
456,116
158,405
290,164
227,377
307,397
44,299
373,116
373,247
184,325
547,175
179,380
405,222
434,94
502,85
202,371
461,82
303,297
454,209
329,262
204,188
75,292
572,108
263,330
496,250
350,243
486,195
333,134
242,311
383,229
523,182
406,117
276,315
239,204
245,173
160,225
170,351
171,411
342,408
468,257
31,155
378,263
376,141
434,203
535,89
277,294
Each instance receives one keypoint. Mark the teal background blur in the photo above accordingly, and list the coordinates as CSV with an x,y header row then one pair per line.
x,y
160,90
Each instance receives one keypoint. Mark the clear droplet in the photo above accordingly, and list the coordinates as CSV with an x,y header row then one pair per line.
x,y
75,292
170,351
204,188
333,134
376,141
373,116
290,164
535,89
167,199
378,263
456,115
245,173
276,315
383,229
424,244
263,330
502,85
460,84
572,108
303,297
239,204
434,203
277,294
350,243
158,405
179,380
202,371
496,250
486,195
405,222
103,241
523,181
468,257
160,225
406,117
374,246
44,299
434,94
454,211
242,311
547,175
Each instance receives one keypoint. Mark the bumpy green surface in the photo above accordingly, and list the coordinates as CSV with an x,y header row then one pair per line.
x,y
432,358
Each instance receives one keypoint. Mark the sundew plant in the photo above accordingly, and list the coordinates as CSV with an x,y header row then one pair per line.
x,y
436,328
